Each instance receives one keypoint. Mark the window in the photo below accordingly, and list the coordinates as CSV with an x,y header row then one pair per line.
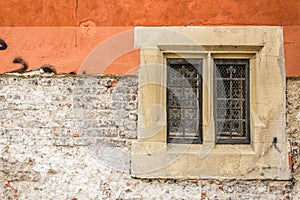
x,y
184,97
230,116
231,101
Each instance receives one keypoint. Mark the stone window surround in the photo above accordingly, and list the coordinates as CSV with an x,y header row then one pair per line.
x,y
153,157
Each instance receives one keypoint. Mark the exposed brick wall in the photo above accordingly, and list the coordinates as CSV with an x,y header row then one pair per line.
x,y
293,122
44,117
69,137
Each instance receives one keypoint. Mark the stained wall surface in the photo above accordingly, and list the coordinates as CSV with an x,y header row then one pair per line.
x,y
69,137
78,27
75,132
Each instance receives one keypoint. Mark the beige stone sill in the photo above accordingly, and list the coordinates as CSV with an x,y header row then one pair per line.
x,y
211,148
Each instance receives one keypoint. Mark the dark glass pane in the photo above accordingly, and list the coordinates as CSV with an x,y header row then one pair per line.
x,y
231,100
223,88
191,114
184,84
176,126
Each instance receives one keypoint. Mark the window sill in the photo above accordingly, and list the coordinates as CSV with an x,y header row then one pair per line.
x,y
206,161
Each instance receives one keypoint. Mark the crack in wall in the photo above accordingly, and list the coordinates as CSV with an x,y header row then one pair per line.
x,y
76,20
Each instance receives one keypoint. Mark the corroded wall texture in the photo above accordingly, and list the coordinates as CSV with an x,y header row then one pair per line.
x,y
69,137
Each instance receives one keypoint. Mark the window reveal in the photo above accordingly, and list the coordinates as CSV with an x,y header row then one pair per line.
x,y
184,100
231,101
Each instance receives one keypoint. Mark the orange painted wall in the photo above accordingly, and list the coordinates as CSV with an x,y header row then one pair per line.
x,y
70,49
87,24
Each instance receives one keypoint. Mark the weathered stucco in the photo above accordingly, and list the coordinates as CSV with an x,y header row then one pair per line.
x,y
70,137
63,33
63,137
85,49
149,13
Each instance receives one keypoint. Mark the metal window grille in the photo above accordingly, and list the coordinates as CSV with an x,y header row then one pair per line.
x,y
184,100
231,101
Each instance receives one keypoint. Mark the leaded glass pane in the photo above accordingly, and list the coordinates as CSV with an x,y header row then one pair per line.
x,y
232,100
184,84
